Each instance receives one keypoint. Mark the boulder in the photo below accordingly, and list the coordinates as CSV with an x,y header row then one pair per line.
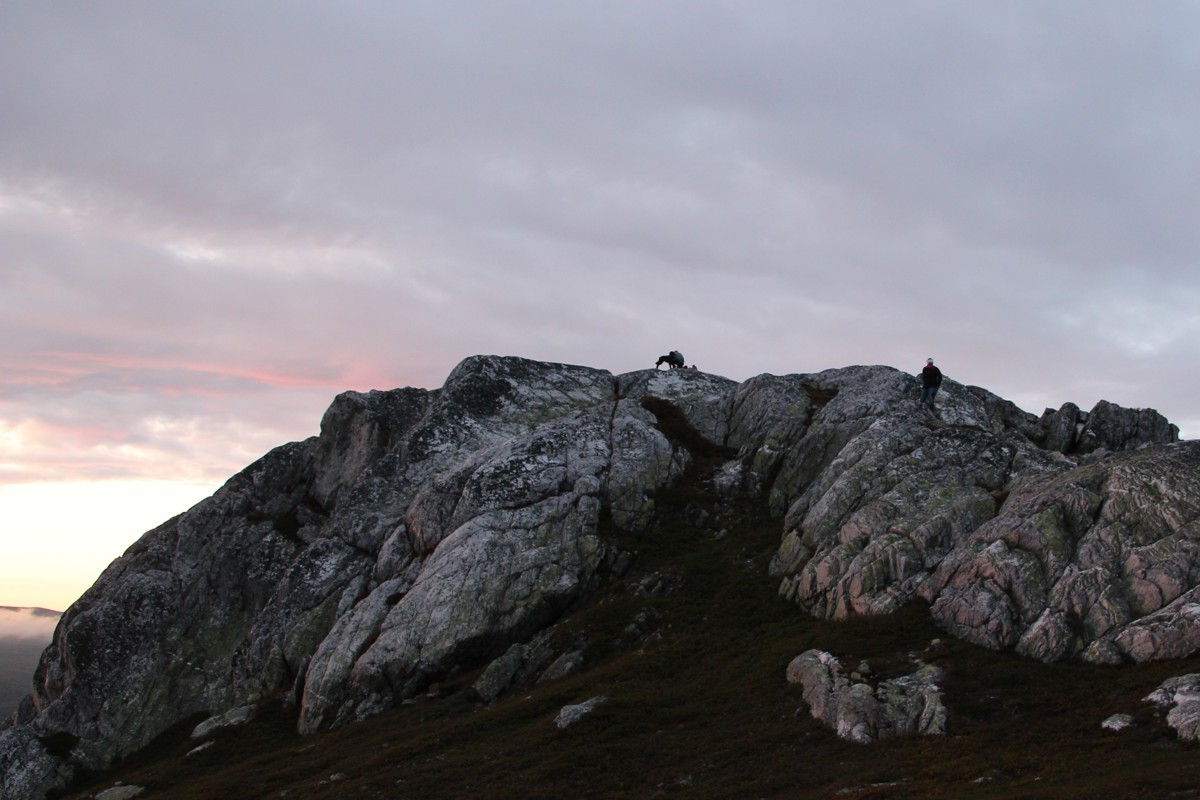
x,y
1180,698
1117,722
1106,427
123,792
514,668
427,533
862,712
571,714
230,719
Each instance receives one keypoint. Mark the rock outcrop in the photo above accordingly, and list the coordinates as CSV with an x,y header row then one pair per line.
x,y
1180,698
423,534
864,712
1013,545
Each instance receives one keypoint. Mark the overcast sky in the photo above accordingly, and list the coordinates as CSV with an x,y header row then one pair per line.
x,y
216,216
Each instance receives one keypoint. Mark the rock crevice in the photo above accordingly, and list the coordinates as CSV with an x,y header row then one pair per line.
x,y
424,533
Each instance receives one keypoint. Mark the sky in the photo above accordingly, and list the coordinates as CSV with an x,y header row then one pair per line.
x,y
215,216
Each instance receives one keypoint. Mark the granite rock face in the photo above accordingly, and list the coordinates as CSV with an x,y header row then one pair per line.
x,y
1101,560
1014,545
427,533
862,712
1179,698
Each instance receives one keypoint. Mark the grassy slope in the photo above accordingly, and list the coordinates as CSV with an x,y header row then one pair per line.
x,y
700,708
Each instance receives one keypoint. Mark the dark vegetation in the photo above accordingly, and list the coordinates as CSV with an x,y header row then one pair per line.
x,y
690,648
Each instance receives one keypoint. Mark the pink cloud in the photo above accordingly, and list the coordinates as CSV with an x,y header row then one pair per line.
x,y
78,364
27,623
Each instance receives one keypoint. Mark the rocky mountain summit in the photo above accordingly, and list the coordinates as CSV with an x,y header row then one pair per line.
x,y
426,534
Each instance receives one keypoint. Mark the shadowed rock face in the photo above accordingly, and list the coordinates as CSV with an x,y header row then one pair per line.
x,y
424,533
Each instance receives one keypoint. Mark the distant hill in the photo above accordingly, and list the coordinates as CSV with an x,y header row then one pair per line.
x,y
24,634
742,583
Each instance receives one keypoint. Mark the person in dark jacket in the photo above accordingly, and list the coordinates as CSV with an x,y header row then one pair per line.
x,y
931,381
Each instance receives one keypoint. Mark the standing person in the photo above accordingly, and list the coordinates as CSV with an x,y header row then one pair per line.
x,y
931,381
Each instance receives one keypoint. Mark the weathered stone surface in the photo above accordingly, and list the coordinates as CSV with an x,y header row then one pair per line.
x,y
859,712
1117,722
200,748
1180,697
427,533
156,638
1105,552
703,399
768,418
867,533
279,578
1111,427
27,768
1013,545
230,719
500,674
571,714
1171,632
561,667
510,563
359,429
1105,427
1063,428
515,668
126,792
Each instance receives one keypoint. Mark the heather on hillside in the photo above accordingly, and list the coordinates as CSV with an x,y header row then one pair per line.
x,y
686,567
690,649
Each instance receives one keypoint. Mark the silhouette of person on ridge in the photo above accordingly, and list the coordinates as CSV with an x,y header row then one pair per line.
x,y
931,381
673,360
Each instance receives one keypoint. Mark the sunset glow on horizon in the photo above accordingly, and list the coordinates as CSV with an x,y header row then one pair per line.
x,y
60,536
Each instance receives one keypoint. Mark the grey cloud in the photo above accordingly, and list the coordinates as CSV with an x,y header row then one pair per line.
x,y
213,211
